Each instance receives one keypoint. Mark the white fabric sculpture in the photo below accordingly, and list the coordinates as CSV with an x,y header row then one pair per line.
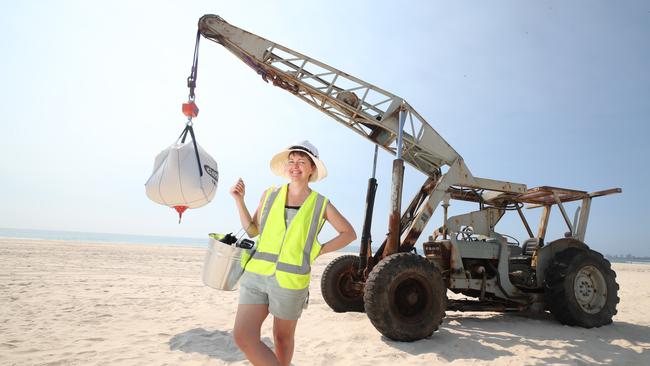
x,y
178,182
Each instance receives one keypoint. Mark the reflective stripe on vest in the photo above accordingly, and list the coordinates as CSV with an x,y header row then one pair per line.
x,y
267,207
271,248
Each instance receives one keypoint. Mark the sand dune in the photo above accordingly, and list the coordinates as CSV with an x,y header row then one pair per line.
x,y
65,303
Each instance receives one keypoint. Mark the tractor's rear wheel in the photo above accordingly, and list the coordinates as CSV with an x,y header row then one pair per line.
x,y
581,288
405,297
340,285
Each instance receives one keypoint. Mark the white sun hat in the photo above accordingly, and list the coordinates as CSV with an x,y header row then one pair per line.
x,y
280,160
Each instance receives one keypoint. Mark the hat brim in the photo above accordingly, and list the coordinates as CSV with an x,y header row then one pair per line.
x,y
280,160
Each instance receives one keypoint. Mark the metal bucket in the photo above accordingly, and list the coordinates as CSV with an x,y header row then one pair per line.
x,y
222,267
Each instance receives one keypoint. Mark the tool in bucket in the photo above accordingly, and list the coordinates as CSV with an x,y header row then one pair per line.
x,y
226,259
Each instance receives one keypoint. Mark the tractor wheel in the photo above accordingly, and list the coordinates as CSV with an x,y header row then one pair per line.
x,y
581,288
338,285
405,297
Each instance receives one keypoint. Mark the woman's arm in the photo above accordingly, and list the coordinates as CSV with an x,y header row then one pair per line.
x,y
342,226
248,222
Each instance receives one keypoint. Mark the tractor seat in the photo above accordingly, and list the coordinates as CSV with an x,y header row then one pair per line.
x,y
527,250
530,246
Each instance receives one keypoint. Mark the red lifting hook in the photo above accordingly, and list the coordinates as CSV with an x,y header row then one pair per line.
x,y
190,109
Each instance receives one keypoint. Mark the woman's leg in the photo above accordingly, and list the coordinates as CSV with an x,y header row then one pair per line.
x,y
283,338
246,332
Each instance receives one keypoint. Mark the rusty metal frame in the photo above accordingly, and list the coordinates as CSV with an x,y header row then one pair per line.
x,y
545,197
525,222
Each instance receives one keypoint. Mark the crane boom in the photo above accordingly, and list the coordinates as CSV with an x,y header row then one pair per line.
x,y
366,109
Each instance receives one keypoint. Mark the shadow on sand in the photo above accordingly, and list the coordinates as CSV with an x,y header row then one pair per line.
x,y
466,337
216,344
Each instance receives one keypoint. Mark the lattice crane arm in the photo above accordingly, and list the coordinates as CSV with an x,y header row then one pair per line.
x,y
366,109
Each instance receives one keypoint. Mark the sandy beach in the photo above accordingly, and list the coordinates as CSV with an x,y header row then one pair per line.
x,y
64,303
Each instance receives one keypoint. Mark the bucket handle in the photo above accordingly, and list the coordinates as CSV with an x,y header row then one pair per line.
x,y
242,231
239,238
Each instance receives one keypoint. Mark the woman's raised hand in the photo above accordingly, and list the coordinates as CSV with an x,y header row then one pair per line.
x,y
238,190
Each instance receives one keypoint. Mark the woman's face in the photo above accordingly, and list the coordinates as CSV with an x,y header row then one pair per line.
x,y
300,167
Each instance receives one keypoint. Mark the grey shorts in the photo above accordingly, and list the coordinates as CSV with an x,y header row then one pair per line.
x,y
283,303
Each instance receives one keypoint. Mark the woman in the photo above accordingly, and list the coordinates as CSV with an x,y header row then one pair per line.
x,y
276,279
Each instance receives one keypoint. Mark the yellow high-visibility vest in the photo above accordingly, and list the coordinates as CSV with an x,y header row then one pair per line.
x,y
288,252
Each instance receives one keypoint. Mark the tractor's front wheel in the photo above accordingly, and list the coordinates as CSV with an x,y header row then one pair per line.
x,y
405,297
581,288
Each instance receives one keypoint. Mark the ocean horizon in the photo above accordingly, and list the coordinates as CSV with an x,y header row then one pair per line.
x,y
112,238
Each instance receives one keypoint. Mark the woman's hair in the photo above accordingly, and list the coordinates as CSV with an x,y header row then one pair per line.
x,y
302,155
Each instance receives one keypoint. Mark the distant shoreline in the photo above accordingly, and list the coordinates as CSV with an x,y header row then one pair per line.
x,y
186,242
108,238
637,261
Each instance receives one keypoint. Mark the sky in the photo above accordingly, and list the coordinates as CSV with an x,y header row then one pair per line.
x,y
536,92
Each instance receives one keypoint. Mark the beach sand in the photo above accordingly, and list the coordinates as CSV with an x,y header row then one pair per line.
x,y
64,303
